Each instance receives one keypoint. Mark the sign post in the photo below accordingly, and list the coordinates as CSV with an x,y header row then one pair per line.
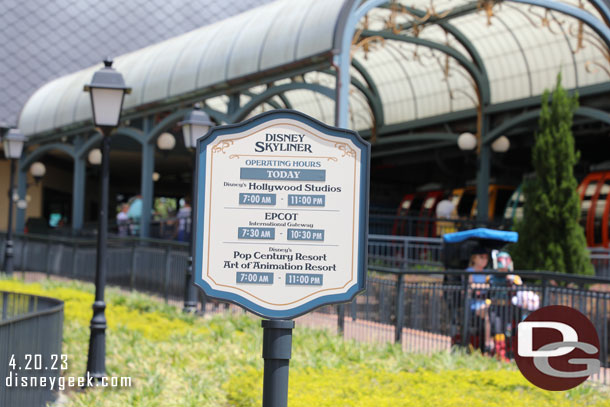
x,y
281,224
277,349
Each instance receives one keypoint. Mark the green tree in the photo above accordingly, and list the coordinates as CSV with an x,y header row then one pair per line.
x,y
550,237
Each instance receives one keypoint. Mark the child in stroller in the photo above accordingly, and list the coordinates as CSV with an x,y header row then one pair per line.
x,y
469,310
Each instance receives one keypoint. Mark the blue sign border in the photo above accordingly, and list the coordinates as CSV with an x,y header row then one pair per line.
x,y
209,138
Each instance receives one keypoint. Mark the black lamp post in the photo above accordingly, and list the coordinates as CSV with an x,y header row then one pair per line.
x,y
195,125
13,146
107,91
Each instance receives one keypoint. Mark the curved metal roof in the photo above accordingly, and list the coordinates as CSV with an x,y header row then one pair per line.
x,y
43,40
266,37
522,48
424,58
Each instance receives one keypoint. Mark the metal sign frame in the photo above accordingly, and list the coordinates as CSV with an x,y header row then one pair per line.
x,y
200,206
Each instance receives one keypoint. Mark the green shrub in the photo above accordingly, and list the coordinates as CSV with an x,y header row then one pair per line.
x,y
364,387
177,360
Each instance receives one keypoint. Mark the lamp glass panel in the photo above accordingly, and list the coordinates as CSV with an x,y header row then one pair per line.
x,y
12,148
198,131
186,132
107,105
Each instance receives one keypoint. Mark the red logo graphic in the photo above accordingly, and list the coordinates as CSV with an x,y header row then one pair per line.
x,y
557,348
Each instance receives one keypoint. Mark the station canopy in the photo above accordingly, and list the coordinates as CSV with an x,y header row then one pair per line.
x,y
411,59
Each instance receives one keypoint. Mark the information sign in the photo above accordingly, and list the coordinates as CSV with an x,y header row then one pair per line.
x,y
281,214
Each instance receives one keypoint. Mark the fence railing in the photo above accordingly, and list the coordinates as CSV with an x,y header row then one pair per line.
x,y
383,223
152,265
409,298
405,252
30,347
427,311
600,257
153,262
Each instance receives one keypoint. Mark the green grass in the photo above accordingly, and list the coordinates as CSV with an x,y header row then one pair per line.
x,y
182,360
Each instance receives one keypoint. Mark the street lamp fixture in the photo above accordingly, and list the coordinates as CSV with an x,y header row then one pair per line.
x,y
195,125
501,144
95,156
467,141
13,143
107,90
38,170
156,176
166,142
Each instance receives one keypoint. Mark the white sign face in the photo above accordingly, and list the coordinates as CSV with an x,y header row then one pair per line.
x,y
281,214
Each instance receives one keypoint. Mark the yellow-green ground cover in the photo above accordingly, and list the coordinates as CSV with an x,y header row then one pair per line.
x,y
187,361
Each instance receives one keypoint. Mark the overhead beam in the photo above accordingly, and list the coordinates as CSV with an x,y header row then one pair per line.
x,y
595,114
373,100
412,149
416,137
596,25
270,102
441,16
480,79
263,97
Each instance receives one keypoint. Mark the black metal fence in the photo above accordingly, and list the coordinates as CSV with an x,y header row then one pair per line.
x,y
405,252
30,347
149,265
600,257
388,223
430,310
409,298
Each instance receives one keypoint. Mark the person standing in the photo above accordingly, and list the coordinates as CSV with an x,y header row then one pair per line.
x,y
134,213
184,222
501,311
122,220
479,305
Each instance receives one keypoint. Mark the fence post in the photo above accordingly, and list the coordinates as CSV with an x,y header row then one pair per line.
x,y
466,302
24,245
545,292
74,256
132,272
48,256
400,308
354,309
341,318
405,255
203,300
168,261
4,305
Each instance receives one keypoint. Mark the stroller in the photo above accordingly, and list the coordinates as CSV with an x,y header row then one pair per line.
x,y
478,313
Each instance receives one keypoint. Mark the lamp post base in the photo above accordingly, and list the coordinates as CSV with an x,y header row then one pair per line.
x,y
96,360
